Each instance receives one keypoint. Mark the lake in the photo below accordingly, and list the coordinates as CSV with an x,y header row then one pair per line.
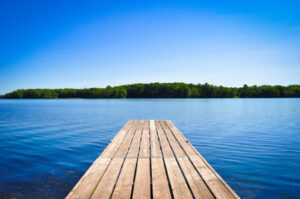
x,y
47,145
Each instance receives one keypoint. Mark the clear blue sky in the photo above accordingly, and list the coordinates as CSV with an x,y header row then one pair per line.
x,y
78,44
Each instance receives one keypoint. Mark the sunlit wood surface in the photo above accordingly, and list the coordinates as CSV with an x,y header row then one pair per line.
x,y
150,159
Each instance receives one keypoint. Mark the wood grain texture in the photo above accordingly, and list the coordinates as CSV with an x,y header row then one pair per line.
x,y
172,141
135,145
155,148
164,144
150,159
177,181
197,185
123,148
216,184
86,185
89,181
111,149
144,150
142,180
125,182
107,183
160,184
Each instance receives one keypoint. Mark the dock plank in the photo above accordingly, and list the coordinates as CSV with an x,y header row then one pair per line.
x,y
165,147
135,145
123,148
172,140
144,151
177,181
141,188
88,182
109,179
160,184
106,185
155,148
142,181
125,182
178,185
196,183
111,149
86,185
150,159
215,183
181,139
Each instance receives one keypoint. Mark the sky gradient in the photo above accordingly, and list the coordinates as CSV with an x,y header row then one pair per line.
x,y
82,44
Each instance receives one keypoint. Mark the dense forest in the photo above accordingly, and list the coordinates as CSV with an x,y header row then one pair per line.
x,y
162,90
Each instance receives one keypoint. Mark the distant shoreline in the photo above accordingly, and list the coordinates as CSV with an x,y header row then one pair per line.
x,y
149,98
160,90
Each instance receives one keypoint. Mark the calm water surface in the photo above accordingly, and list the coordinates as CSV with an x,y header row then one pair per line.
x,y
46,145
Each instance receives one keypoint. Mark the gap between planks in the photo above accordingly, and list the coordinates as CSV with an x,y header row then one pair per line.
x,y
150,159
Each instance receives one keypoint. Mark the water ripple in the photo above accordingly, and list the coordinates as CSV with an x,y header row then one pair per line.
x,y
46,145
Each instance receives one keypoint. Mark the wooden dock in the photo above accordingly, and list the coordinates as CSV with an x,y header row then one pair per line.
x,y
150,159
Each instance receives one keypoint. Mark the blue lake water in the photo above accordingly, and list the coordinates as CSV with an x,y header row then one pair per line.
x,y
47,145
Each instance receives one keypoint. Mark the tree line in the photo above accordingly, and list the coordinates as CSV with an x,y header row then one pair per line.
x,y
162,90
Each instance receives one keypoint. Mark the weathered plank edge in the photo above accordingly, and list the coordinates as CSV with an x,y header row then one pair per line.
x,y
163,125
89,190
207,164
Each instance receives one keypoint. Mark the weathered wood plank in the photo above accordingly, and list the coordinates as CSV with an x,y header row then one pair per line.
x,y
178,184
141,188
151,159
182,140
142,180
197,185
152,125
135,145
111,149
106,185
172,140
155,148
108,181
86,185
144,151
177,181
166,149
88,182
160,185
125,182
123,148
216,184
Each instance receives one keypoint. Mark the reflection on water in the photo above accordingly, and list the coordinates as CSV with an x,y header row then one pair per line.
x,y
46,145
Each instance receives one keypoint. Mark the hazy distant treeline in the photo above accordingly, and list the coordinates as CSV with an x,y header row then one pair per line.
x,y
161,90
